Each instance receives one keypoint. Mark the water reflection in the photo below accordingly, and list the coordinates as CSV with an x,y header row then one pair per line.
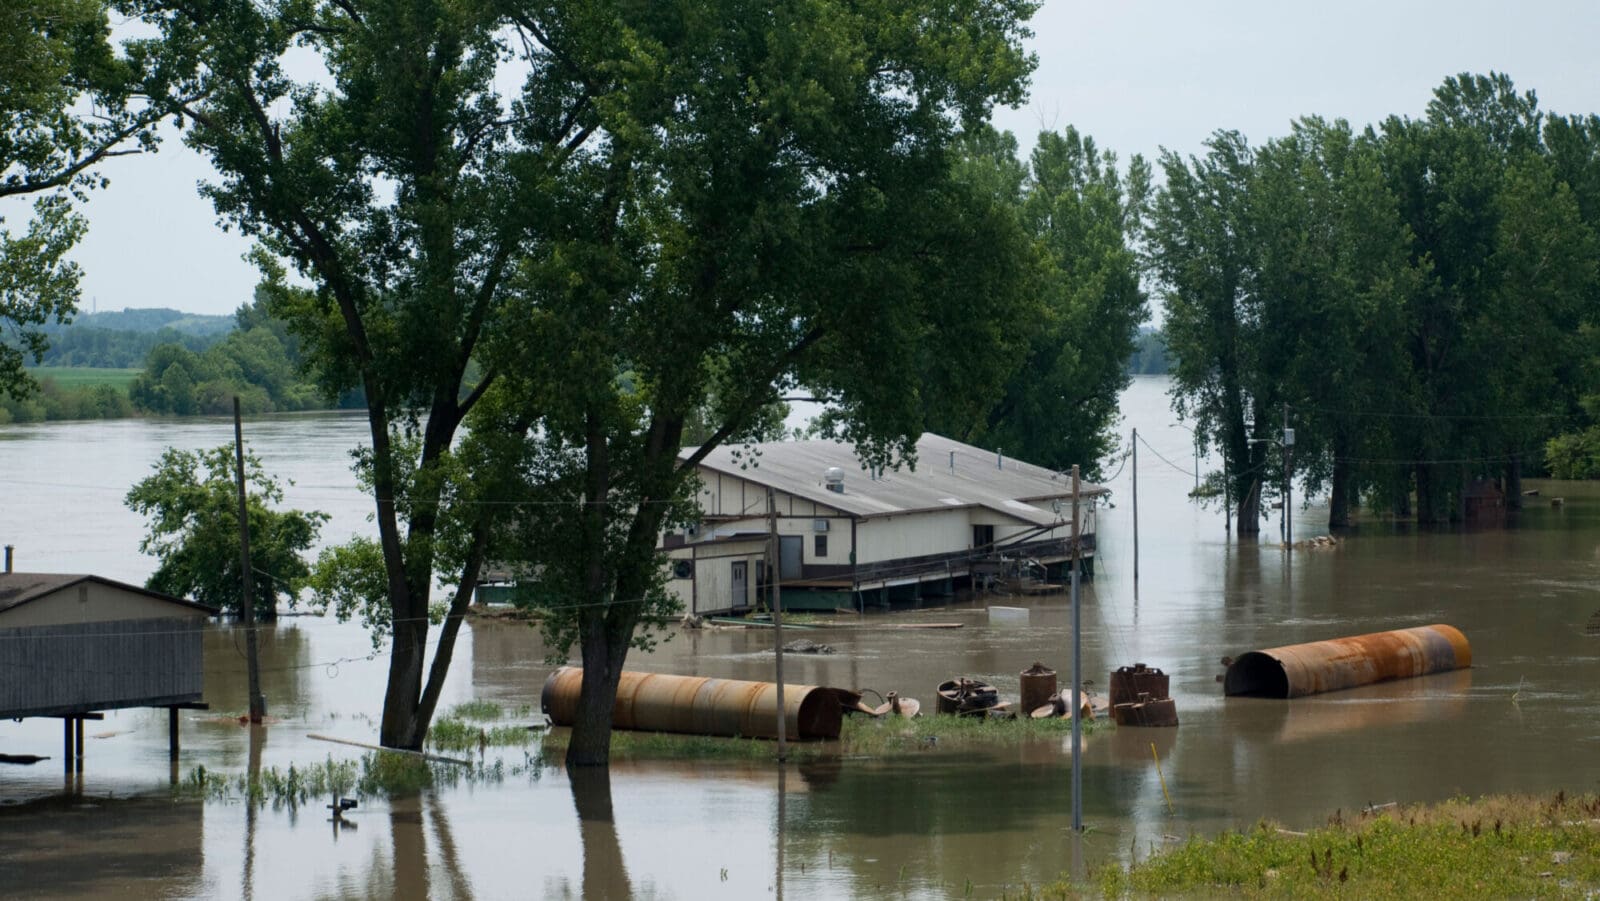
x,y
605,874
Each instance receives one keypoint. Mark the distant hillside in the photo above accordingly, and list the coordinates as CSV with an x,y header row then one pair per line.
x,y
152,320
120,339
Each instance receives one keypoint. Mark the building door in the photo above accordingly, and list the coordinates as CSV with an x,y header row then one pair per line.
x,y
741,596
789,550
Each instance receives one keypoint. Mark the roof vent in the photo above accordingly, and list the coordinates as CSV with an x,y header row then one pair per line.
x,y
833,476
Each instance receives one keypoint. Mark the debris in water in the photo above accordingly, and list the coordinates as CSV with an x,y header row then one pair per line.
x,y
807,646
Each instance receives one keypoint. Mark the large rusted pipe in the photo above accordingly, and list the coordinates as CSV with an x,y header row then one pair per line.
x,y
1296,670
696,705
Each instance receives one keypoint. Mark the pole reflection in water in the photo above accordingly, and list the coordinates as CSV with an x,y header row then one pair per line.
x,y
258,738
460,886
605,873
783,793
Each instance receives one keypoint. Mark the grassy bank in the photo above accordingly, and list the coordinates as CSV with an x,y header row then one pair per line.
x,y
1497,847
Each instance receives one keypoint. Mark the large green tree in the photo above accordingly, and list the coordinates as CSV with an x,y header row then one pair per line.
x,y
1059,405
65,106
780,201
667,186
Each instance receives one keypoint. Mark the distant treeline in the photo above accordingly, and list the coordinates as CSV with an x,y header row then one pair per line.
x,y
189,365
122,339
1149,354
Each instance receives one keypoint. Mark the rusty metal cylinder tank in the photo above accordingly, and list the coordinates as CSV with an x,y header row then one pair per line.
x,y
696,705
1129,682
1038,684
1296,670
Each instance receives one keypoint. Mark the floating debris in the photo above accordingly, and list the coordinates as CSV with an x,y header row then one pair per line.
x,y
898,706
1147,711
807,646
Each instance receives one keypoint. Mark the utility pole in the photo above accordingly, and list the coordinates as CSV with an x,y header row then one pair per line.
x,y
258,704
1288,479
774,571
1077,671
1135,505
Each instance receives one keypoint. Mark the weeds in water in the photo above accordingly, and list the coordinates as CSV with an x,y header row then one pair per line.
x,y
859,737
459,735
379,774
484,711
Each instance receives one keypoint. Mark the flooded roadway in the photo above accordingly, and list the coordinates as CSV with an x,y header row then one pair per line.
x,y
1526,717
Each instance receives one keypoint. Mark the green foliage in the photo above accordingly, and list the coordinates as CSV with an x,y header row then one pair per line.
x,y
258,361
1416,294
1058,404
350,580
71,397
450,734
64,107
193,507
688,208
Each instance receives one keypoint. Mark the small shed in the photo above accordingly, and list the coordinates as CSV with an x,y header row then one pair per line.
x,y
74,644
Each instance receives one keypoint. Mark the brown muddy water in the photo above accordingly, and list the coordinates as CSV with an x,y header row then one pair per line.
x,y
1525,718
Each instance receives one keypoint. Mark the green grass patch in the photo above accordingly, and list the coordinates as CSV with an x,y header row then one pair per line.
x,y
1497,847
483,711
450,734
85,377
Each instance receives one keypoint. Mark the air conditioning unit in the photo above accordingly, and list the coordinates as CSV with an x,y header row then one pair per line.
x,y
819,525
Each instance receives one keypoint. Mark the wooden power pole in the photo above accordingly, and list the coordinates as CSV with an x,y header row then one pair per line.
x,y
774,574
258,704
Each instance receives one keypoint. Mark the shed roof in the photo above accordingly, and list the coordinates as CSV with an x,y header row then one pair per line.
x,y
17,589
797,467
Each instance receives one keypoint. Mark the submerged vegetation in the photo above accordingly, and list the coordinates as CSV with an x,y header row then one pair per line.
x,y
860,737
378,774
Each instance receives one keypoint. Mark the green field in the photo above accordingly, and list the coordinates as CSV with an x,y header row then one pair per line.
x,y
85,377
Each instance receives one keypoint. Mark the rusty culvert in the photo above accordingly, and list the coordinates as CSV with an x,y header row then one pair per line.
x,y
695,705
1307,669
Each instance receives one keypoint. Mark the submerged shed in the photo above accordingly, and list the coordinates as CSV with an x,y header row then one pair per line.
x,y
72,644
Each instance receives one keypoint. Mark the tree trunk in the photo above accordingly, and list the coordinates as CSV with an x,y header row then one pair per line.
x,y
1425,492
603,657
1514,482
1339,490
400,727
1248,491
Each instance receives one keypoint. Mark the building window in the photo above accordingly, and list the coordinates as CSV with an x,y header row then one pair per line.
x,y
821,548
982,536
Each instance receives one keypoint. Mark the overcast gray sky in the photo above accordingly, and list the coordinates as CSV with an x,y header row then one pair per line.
x,y
1136,76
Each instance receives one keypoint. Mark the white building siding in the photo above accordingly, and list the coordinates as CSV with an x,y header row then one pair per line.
x,y
888,538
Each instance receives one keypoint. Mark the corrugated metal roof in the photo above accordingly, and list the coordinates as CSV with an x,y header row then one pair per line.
x,y
17,589
797,467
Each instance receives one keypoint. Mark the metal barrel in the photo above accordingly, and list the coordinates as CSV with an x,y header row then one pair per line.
x,y
1296,670
1129,682
696,705
1038,685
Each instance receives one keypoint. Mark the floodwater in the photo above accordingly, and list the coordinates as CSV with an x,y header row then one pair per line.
x,y
1525,718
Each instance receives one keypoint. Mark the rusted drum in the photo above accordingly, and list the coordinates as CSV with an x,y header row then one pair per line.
x,y
696,705
1038,686
1297,670
1129,682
